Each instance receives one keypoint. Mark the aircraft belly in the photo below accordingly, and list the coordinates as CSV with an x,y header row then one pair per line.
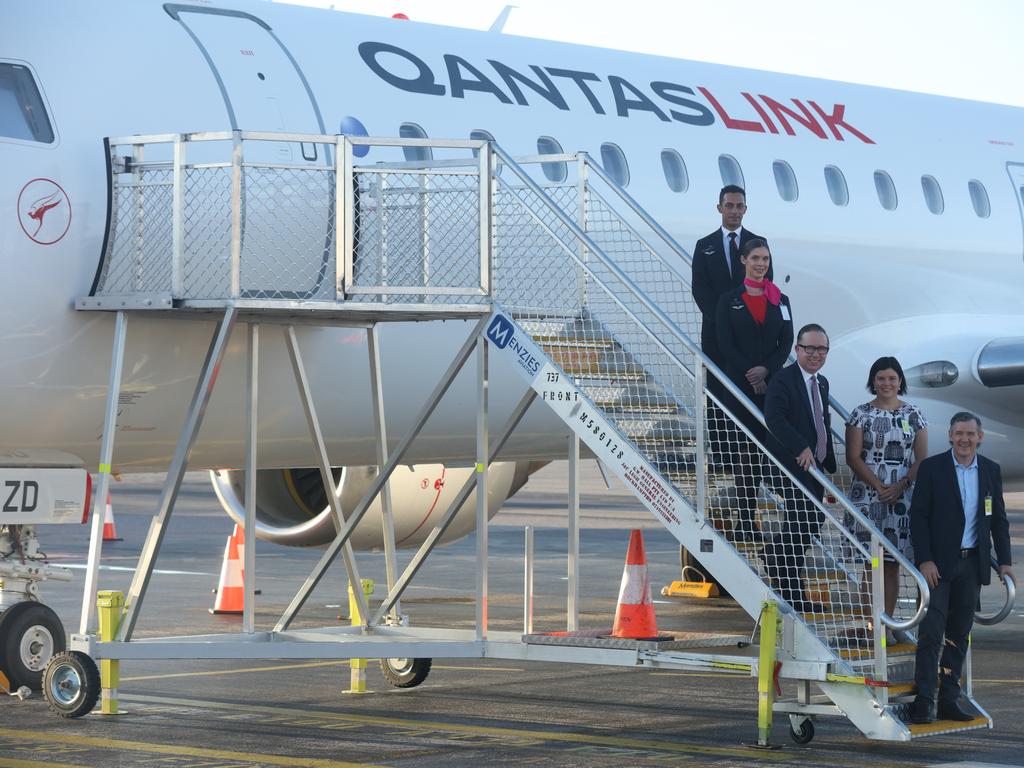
x,y
56,396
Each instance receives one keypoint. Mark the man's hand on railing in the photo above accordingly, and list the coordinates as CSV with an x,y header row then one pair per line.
x,y
930,572
1006,570
806,460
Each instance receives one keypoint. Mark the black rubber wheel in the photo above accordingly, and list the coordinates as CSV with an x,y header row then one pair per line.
x,y
30,634
405,673
686,559
804,734
71,684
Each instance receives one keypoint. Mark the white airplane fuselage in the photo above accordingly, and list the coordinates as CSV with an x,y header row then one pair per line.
x,y
908,282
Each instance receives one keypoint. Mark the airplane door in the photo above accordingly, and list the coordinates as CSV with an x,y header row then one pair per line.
x,y
264,89
1016,171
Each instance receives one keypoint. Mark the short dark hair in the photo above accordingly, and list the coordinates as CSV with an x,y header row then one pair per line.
x,y
731,189
750,245
964,416
882,364
810,328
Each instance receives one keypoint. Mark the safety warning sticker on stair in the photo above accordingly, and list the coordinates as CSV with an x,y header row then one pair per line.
x,y
561,394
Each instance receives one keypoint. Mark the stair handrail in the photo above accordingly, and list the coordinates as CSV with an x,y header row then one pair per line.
x,y
596,250
1011,597
674,244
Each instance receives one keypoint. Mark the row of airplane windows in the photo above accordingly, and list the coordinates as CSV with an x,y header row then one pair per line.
x,y
613,160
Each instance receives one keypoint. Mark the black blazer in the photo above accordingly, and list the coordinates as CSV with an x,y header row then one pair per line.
x,y
711,278
937,516
744,344
787,411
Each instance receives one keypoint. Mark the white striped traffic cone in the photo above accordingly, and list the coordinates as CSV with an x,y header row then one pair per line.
x,y
231,586
109,531
634,615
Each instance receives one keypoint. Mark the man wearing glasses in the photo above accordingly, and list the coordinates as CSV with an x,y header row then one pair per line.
x,y
796,411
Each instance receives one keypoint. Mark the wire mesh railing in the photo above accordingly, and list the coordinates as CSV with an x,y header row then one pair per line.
x,y
635,362
658,264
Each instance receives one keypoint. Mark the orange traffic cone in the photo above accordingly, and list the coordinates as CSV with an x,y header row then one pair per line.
x,y
634,615
231,587
109,531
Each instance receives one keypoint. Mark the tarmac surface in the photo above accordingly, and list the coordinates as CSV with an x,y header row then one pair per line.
x,y
469,712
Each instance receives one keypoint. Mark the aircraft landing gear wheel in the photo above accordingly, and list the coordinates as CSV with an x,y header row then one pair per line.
x,y
405,673
30,634
71,684
803,732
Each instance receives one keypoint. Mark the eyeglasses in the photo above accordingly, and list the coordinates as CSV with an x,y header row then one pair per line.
x,y
813,350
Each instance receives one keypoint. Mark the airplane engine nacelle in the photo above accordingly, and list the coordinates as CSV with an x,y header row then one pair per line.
x,y
292,509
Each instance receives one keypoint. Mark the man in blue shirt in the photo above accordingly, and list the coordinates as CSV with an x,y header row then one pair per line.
x,y
956,515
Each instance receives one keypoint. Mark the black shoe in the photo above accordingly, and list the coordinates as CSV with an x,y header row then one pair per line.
x,y
954,710
921,711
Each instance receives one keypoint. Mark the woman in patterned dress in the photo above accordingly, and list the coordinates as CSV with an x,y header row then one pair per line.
x,y
886,440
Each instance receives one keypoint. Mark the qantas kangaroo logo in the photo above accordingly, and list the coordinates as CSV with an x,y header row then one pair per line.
x,y
44,211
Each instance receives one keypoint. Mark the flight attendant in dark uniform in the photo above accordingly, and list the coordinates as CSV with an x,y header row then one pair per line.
x,y
755,333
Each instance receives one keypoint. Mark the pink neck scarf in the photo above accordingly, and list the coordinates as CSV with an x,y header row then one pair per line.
x,y
771,290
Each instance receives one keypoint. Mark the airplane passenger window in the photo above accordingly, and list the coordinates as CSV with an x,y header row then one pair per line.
x,y
413,131
675,170
932,195
478,134
22,114
614,162
785,181
553,171
979,199
730,170
886,190
835,182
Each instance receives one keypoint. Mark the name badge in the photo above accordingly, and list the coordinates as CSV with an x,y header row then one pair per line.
x,y
906,426
785,312
988,506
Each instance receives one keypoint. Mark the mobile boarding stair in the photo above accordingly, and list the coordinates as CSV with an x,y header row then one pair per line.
x,y
561,279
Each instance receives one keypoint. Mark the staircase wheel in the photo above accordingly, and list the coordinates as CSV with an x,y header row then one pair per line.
x,y
71,684
803,733
405,673
687,560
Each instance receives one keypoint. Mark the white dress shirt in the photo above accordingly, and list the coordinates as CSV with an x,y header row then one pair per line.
x,y
967,479
725,244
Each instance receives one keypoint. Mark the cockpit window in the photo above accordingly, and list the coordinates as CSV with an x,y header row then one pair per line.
x,y
22,114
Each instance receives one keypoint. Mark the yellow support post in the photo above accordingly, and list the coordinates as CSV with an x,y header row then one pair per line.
x,y
357,683
766,672
110,608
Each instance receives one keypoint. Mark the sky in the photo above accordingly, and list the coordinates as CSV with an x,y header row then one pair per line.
x,y
969,50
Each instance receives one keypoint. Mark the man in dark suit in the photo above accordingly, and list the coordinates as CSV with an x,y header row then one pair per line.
x,y
716,264
956,514
716,269
797,415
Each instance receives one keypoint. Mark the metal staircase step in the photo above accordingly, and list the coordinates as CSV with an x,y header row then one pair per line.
x,y
940,727
604,369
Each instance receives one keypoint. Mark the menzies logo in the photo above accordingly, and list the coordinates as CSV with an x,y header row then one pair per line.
x,y
501,333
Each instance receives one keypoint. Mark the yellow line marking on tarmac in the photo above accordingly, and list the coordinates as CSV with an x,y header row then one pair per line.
x,y
477,730
9,762
307,665
980,680
172,749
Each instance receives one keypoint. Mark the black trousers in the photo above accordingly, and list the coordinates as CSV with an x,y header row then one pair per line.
x,y
950,615
749,465
788,552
